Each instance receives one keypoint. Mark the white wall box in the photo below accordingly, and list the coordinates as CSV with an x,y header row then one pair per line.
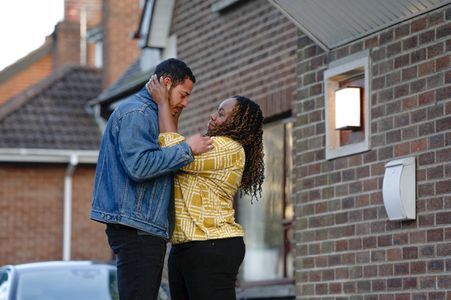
x,y
399,188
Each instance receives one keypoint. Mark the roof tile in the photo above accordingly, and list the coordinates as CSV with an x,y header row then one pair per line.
x,y
52,114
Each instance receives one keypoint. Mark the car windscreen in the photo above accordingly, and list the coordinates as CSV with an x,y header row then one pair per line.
x,y
68,284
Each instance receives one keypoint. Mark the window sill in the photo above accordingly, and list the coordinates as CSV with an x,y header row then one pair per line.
x,y
277,289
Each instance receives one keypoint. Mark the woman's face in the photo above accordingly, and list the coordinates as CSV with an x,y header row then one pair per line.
x,y
223,113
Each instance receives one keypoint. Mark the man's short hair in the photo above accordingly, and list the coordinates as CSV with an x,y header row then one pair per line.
x,y
176,69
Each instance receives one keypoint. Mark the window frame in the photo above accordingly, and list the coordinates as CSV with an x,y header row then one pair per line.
x,y
286,222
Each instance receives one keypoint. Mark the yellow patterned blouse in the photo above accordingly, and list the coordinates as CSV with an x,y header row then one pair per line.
x,y
204,191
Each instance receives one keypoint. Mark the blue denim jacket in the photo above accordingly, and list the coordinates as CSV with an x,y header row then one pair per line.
x,y
134,176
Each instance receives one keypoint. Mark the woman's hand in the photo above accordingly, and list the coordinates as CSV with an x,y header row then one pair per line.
x,y
160,94
158,90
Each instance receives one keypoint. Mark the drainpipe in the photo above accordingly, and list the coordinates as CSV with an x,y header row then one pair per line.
x,y
67,225
99,120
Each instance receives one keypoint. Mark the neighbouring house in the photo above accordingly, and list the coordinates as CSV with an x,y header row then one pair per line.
x,y
49,137
64,46
48,153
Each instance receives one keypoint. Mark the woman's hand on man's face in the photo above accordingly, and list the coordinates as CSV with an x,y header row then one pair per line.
x,y
158,90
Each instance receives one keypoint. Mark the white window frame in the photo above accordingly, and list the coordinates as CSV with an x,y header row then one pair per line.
x,y
338,71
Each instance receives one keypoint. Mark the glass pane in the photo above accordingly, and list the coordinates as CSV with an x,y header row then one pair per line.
x,y
262,220
289,208
77,283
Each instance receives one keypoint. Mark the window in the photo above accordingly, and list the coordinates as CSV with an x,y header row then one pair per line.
x,y
268,222
95,40
155,22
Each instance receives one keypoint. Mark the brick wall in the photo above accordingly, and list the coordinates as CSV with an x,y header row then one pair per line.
x,y
121,20
346,246
31,215
26,78
88,237
248,50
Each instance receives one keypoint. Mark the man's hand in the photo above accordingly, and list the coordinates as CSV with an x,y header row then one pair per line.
x,y
199,143
158,90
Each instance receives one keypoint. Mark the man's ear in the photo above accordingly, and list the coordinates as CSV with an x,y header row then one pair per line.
x,y
167,82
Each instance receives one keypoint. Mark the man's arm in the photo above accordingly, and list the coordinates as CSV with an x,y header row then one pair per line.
x,y
138,148
160,94
140,153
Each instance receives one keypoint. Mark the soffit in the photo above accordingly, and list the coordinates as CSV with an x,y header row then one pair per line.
x,y
333,23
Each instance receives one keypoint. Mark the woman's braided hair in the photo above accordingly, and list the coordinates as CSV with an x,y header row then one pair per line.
x,y
246,127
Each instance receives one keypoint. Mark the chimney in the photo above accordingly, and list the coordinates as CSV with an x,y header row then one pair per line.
x,y
120,50
70,45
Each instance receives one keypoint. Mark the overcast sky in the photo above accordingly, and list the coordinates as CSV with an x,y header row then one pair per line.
x,y
24,24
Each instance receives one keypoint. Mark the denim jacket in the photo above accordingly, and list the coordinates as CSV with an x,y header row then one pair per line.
x,y
134,176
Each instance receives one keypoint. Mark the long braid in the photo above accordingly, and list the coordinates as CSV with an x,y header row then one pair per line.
x,y
246,127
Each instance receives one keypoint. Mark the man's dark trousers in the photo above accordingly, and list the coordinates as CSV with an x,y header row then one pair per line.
x,y
139,260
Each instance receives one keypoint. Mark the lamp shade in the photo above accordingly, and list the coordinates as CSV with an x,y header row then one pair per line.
x,y
347,108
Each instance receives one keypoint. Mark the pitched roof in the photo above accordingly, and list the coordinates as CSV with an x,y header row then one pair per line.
x,y
25,62
53,114
130,82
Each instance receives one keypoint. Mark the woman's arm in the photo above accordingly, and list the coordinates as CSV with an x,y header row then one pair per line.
x,y
159,92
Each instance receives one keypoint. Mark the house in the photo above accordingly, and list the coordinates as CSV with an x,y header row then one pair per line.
x,y
322,229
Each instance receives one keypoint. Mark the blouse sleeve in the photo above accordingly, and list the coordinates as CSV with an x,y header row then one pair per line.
x,y
225,154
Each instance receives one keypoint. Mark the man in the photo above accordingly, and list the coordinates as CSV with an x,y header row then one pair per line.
x,y
134,182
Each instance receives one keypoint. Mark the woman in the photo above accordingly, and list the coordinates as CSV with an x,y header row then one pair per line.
x,y
207,244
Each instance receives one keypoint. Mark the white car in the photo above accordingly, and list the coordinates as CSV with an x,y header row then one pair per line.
x,y
59,280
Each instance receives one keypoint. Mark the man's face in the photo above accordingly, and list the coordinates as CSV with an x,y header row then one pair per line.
x,y
178,96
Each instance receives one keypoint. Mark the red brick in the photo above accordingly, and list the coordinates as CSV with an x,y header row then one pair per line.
x,y
444,187
419,145
426,68
442,63
435,50
402,149
417,267
435,235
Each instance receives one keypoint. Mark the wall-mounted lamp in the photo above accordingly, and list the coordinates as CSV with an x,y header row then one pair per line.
x,y
347,108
